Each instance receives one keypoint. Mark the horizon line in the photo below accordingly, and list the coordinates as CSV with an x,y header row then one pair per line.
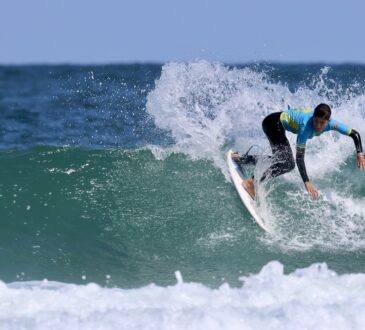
x,y
160,63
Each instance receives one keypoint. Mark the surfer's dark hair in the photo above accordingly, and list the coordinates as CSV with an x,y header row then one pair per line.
x,y
323,111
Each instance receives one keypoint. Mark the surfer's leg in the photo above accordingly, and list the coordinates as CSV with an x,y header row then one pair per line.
x,y
283,160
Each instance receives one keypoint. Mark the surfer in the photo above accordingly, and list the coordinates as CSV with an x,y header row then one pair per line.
x,y
306,123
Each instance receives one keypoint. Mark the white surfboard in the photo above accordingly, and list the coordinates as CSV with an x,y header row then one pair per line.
x,y
237,177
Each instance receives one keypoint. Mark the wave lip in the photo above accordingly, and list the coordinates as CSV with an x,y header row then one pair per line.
x,y
314,297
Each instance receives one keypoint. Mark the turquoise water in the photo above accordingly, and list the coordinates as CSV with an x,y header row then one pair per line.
x,y
71,213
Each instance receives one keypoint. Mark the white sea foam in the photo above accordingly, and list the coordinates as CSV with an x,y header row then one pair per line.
x,y
310,298
209,108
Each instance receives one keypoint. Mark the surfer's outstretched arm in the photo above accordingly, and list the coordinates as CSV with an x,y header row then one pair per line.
x,y
303,172
360,156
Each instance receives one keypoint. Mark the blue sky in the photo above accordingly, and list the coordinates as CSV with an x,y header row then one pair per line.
x,y
91,31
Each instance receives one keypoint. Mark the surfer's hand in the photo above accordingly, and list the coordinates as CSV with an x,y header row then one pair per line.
x,y
361,161
311,189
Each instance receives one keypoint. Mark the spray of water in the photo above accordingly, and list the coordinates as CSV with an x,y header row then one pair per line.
x,y
209,108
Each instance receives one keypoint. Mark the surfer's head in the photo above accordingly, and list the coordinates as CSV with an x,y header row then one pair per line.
x,y
321,116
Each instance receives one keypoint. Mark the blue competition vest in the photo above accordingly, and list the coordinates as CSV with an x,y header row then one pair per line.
x,y
299,121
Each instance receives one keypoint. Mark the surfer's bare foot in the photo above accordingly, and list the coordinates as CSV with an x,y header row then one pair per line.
x,y
236,156
249,186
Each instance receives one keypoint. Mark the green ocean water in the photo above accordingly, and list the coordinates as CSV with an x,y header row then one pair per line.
x,y
125,218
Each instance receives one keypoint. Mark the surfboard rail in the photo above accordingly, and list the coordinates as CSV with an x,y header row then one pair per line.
x,y
236,175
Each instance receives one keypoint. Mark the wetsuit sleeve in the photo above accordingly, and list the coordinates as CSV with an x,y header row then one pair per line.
x,y
300,163
357,140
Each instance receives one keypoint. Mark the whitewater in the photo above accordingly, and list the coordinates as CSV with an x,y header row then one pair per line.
x,y
314,297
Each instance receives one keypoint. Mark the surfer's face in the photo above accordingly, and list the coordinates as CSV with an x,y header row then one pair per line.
x,y
319,123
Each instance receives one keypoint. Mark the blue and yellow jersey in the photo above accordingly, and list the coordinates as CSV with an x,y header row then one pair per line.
x,y
299,121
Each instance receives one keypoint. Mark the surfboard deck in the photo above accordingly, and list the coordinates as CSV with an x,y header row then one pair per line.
x,y
237,177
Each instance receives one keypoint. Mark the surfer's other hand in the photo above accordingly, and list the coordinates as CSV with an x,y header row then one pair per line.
x,y
361,161
311,189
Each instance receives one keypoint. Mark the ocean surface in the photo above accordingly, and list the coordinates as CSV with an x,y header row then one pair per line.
x,y
117,211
